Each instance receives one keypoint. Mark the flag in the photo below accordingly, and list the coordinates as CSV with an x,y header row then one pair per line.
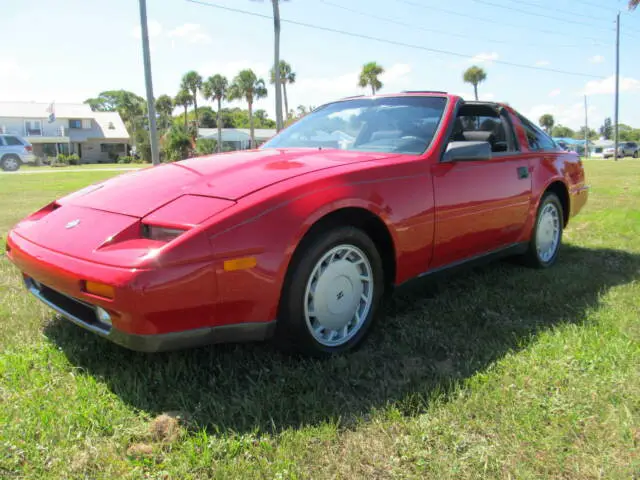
x,y
51,110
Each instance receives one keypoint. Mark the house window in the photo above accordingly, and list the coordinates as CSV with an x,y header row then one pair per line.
x,y
77,123
33,127
112,148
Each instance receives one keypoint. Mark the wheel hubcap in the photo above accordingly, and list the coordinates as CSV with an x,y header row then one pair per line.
x,y
339,295
11,163
548,232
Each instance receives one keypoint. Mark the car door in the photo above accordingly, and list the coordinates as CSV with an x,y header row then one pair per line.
x,y
480,206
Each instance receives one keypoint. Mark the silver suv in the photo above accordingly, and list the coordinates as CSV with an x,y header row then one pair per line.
x,y
628,149
14,151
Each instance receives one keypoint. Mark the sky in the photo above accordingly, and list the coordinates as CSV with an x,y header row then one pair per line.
x,y
70,50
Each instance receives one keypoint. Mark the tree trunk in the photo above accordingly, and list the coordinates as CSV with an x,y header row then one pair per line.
x,y
219,125
286,102
251,131
475,90
373,90
276,62
195,108
185,116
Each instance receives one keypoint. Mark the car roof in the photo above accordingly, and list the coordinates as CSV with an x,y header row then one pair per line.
x,y
426,93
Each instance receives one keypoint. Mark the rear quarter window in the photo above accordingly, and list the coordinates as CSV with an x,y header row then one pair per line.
x,y
13,141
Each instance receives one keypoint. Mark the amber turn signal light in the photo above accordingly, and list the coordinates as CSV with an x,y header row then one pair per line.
x,y
240,264
99,289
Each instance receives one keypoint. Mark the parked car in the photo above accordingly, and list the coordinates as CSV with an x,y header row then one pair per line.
x,y
14,151
300,240
625,149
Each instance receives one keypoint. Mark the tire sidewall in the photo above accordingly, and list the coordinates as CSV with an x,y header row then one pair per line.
x,y
3,163
291,319
546,199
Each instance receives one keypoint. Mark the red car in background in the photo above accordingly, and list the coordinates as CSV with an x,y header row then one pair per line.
x,y
300,239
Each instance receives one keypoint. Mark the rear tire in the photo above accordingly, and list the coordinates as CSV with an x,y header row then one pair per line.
x,y
332,293
10,163
546,238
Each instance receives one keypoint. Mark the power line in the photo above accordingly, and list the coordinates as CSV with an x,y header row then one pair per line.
x,y
390,42
444,32
494,22
540,15
559,10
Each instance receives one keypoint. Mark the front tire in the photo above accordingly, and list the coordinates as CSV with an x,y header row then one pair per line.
x,y
332,293
10,163
544,245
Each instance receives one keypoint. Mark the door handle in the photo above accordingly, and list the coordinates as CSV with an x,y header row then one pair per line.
x,y
523,172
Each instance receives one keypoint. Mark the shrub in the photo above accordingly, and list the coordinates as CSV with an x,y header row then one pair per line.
x,y
125,159
138,160
61,160
206,146
177,144
73,159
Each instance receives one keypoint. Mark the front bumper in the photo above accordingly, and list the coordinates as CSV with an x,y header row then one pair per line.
x,y
85,315
155,310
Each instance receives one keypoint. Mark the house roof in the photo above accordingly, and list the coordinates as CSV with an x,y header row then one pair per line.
x,y
39,110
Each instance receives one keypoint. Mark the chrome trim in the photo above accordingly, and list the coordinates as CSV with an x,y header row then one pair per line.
x,y
33,289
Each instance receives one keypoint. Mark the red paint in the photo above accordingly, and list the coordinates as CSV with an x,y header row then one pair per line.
x,y
261,203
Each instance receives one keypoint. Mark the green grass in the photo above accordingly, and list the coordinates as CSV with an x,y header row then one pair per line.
x,y
84,166
501,372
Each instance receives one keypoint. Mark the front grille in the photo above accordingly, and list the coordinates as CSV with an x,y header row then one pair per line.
x,y
79,312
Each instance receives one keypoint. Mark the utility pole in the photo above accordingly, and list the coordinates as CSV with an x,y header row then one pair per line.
x,y
151,107
586,130
615,115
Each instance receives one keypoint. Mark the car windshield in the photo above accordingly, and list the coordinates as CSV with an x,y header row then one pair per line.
x,y
405,124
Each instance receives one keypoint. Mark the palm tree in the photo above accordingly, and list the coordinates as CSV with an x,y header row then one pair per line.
x,y
369,76
633,4
184,99
246,85
215,88
474,75
164,107
192,82
547,121
286,76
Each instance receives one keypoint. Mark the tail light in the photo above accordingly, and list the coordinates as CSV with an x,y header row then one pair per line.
x,y
28,148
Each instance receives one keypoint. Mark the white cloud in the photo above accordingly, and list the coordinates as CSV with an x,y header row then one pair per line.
x,y
231,69
567,115
191,32
485,57
542,63
154,29
396,72
481,95
607,86
555,92
596,59
10,69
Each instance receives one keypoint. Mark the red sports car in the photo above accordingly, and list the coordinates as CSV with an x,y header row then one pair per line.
x,y
300,239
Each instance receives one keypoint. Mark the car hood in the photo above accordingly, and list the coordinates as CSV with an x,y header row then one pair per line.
x,y
229,176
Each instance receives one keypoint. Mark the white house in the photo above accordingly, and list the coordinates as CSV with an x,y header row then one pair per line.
x,y
237,138
66,128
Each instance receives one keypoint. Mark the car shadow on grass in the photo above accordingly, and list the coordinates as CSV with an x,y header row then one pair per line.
x,y
432,336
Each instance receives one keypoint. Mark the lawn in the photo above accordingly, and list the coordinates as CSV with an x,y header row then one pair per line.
x,y
501,372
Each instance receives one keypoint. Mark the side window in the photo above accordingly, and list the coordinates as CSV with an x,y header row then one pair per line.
x,y
12,141
538,140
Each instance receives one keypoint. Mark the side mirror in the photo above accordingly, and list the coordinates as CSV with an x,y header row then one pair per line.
x,y
467,152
